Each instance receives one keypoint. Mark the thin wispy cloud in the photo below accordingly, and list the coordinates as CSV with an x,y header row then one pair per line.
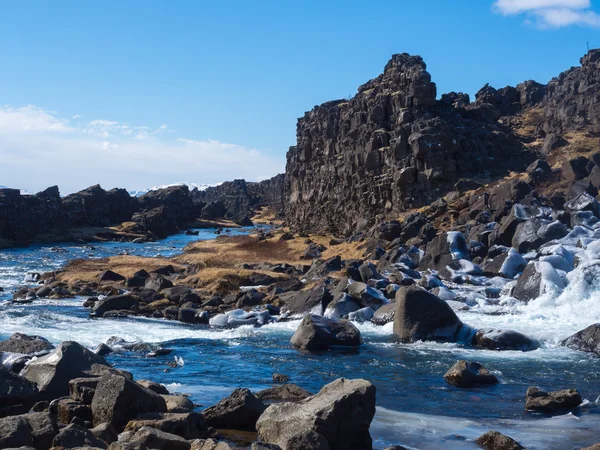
x,y
39,148
551,13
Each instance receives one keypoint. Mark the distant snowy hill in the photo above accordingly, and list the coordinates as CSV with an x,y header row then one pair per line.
x,y
201,187
23,191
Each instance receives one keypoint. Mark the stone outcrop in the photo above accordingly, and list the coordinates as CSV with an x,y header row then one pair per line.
x,y
48,216
390,148
341,412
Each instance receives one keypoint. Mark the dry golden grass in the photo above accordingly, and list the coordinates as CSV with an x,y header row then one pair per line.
x,y
87,270
218,261
266,216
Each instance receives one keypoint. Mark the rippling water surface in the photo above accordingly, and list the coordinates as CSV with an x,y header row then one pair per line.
x,y
416,408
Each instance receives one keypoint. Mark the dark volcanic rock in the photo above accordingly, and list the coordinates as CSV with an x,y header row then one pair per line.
x,y
420,315
390,148
587,340
467,374
239,411
118,400
22,343
73,436
188,425
285,392
15,390
53,372
549,402
114,303
341,412
303,302
504,340
493,440
319,333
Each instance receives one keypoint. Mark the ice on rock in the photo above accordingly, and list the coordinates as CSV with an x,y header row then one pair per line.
x,y
513,263
551,281
458,246
558,262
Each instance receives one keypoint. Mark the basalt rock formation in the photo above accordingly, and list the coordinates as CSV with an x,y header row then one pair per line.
x,y
393,147
48,216
237,200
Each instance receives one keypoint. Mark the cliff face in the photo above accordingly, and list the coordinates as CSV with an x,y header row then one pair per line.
x,y
26,218
239,199
572,101
393,147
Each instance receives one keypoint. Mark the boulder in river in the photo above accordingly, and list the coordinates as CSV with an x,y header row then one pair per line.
x,y
466,374
53,372
420,315
385,314
22,343
341,412
504,340
587,340
493,440
550,402
114,303
539,277
118,400
239,411
320,333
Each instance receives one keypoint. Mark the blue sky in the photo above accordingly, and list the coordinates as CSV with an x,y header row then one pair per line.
x,y
136,93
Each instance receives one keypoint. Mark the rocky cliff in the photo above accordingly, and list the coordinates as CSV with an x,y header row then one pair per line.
x,y
393,147
48,216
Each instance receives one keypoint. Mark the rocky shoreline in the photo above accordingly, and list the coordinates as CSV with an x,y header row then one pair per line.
x,y
70,397
95,214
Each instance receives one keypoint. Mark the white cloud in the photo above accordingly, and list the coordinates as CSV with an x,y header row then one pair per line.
x,y
551,13
39,149
30,119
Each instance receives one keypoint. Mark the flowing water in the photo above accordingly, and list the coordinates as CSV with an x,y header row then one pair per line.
x,y
415,407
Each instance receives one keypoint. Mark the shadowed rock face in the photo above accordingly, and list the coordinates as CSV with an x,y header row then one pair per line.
x,y
390,148
26,218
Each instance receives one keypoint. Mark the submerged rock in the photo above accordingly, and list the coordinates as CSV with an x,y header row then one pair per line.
x,y
467,374
420,315
549,402
320,333
493,440
504,340
341,412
